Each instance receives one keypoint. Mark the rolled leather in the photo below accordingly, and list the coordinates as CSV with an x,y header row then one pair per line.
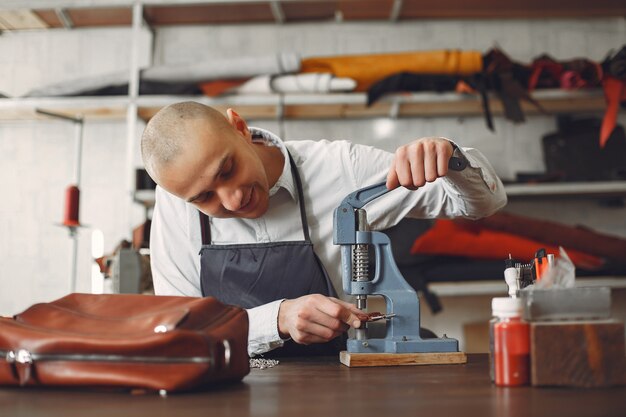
x,y
367,69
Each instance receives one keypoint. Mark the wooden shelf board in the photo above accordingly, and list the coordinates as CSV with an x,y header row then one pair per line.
x,y
474,288
568,189
584,189
93,13
306,106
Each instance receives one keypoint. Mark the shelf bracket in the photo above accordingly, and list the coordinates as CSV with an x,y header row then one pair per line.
x,y
280,107
64,17
396,8
394,110
277,12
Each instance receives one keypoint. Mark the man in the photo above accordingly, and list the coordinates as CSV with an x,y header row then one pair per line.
x,y
260,212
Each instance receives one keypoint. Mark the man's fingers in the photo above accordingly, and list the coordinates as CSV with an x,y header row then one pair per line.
x,y
350,306
420,162
417,159
443,158
404,159
316,318
392,177
350,314
327,320
306,338
431,171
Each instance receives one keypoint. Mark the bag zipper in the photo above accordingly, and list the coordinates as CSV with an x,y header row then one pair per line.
x,y
23,356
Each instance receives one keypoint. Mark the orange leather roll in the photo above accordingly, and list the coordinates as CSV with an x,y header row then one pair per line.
x,y
367,69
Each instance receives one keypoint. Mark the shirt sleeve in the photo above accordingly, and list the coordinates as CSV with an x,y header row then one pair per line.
x,y
173,255
263,334
472,193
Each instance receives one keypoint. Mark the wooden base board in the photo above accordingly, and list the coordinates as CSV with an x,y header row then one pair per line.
x,y
353,360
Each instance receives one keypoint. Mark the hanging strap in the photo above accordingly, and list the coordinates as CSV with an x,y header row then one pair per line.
x,y
205,227
296,176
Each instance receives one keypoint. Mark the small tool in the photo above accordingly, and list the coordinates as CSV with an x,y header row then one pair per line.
x,y
376,316
512,276
540,263
351,231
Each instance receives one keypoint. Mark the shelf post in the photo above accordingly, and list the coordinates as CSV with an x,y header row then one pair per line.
x,y
131,111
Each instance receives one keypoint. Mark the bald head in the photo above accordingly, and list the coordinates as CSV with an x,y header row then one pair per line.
x,y
172,128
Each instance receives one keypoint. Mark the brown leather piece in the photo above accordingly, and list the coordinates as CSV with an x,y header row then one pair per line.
x,y
110,341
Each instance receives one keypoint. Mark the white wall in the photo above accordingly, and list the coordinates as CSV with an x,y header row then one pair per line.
x,y
36,158
37,163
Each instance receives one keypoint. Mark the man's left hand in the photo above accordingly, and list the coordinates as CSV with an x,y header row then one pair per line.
x,y
419,162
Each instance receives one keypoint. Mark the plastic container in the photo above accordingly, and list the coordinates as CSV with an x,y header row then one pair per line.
x,y
509,343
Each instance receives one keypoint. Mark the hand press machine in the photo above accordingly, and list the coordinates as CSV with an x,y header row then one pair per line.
x,y
402,344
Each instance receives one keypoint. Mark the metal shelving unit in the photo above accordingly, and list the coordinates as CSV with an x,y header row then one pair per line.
x,y
291,106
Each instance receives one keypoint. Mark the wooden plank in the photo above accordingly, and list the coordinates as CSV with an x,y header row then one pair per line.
x,y
261,112
320,107
21,19
418,9
50,17
102,113
209,14
353,360
309,11
101,17
366,9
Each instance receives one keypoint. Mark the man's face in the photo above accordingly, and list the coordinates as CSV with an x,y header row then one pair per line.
x,y
220,172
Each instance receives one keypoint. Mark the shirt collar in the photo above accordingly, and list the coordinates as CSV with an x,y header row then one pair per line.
x,y
286,179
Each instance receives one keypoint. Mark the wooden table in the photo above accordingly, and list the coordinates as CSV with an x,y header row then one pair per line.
x,y
323,387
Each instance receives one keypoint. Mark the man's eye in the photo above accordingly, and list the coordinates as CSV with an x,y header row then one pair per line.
x,y
204,197
228,169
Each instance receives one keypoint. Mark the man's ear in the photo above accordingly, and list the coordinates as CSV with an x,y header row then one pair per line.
x,y
238,123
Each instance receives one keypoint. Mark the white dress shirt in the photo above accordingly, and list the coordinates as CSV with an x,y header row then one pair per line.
x,y
329,171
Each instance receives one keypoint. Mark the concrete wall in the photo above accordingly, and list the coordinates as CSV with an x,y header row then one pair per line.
x,y
36,161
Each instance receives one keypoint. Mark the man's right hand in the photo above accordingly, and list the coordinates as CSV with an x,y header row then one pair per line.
x,y
316,318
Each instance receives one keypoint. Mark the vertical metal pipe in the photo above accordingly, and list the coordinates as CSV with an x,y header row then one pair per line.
x,y
78,150
73,259
78,163
131,113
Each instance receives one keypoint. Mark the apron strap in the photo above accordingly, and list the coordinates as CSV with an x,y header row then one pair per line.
x,y
205,227
296,176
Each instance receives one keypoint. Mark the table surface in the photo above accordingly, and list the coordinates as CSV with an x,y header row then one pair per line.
x,y
323,387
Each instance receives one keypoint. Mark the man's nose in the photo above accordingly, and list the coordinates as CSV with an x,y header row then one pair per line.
x,y
231,198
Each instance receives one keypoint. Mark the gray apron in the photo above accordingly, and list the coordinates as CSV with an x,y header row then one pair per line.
x,y
249,275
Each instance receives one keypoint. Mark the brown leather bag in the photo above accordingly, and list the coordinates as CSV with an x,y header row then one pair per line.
x,y
124,340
